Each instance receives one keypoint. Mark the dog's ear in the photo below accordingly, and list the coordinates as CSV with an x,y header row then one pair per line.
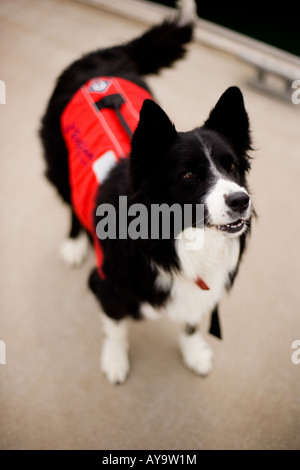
x,y
230,119
151,140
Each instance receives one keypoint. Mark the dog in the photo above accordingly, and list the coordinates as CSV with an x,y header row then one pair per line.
x,y
106,142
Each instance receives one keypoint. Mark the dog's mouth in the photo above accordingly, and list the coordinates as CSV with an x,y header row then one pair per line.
x,y
233,228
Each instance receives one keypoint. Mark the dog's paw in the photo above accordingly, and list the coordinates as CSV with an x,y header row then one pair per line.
x,y
73,251
196,353
114,361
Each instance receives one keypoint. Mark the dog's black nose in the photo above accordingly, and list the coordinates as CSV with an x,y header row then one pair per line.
x,y
238,202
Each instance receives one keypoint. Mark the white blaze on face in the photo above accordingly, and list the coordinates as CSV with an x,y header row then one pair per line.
x,y
218,210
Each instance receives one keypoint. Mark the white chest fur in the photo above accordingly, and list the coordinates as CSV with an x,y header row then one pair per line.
x,y
212,263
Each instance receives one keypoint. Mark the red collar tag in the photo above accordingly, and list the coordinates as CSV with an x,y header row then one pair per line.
x,y
200,283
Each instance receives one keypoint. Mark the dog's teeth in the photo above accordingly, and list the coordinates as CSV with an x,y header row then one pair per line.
x,y
238,225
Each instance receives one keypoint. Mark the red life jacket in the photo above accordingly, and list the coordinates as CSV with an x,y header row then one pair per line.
x,y
97,125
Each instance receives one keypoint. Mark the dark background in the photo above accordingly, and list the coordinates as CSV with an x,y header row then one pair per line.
x,y
276,24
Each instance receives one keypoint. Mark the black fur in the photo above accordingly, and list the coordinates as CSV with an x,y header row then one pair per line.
x,y
157,48
160,158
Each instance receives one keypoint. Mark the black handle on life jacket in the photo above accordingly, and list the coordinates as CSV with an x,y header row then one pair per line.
x,y
115,102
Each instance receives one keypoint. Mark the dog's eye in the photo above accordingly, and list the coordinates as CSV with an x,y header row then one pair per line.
x,y
228,163
188,176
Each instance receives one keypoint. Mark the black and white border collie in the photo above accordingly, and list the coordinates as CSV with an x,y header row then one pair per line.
x,y
149,278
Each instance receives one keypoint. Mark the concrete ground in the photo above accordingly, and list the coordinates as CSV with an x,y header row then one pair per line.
x,y
53,395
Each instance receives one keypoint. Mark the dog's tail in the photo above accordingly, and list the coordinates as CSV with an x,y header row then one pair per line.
x,y
163,44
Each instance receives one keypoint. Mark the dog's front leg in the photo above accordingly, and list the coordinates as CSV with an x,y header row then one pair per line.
x,y
114,360
196,353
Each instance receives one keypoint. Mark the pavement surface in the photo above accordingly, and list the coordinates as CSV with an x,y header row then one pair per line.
x,y
53,395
